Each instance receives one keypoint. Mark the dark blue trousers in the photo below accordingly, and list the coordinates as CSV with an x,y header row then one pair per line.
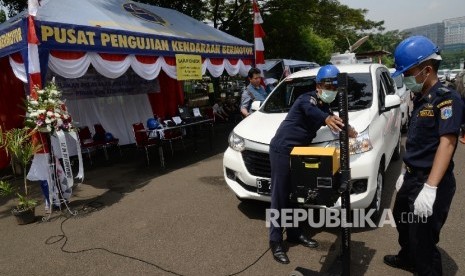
x,y
418,237
280,189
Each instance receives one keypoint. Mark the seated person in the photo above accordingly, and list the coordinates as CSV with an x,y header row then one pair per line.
x,y
219,112
231,106
185,112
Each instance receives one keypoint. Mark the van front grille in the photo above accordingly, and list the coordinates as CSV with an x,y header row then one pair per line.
x,y
257,163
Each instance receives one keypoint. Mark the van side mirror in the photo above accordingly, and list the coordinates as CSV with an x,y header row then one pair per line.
x,y
391,102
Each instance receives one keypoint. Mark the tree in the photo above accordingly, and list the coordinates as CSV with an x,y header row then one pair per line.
x,y
2,16
14,6
193,8
316,48
305,29
291,25
451,58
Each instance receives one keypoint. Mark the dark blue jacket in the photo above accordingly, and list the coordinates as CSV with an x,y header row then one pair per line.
x,y
435,114
306,116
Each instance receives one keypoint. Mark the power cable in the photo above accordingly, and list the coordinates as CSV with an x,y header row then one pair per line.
x,y
57,238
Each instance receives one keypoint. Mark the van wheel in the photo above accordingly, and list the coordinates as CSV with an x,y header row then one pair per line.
x,y
376,202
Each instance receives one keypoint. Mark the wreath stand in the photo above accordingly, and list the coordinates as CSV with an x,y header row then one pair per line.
x,y
54,185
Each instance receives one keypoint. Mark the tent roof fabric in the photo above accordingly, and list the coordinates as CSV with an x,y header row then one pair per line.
x,y
130,16
108,26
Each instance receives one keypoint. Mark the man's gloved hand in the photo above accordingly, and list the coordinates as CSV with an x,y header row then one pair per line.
x,y
425,200
400,181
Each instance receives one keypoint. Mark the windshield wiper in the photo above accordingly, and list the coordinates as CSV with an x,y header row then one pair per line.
x,y
357,106
278,110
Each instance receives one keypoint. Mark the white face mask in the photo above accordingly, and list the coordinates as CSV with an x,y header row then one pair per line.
x,y
328,96
411,82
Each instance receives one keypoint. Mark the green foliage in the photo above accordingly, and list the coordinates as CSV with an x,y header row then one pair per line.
x,y
2,16
6,189
316,48
25,203
18,144
193,8
289,25
451,58
14,6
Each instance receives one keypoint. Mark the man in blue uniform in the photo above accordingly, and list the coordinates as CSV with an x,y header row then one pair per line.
x,y
253,92
309,113
426,189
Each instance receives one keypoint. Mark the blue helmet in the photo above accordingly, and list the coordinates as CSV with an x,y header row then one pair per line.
x,y
412,51
152,123
327,73
108,136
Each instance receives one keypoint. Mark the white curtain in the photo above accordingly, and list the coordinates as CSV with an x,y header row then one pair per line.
x,y
115,114
71,68
77,67
18,69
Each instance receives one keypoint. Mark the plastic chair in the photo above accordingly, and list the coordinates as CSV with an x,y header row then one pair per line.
x,y
171,135
102,136
87,142
143,141
210,114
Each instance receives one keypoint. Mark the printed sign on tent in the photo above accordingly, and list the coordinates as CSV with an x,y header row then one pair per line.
x,y
93,85
189,67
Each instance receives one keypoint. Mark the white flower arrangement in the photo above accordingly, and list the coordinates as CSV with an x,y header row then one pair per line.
x,y
48,112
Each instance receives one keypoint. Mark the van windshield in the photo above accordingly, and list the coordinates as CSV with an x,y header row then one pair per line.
x,y
280,101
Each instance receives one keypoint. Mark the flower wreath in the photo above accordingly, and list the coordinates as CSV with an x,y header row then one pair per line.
x,y
48,112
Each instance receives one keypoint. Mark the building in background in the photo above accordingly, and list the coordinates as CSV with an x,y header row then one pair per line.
x,y
435,32
448,35
454,33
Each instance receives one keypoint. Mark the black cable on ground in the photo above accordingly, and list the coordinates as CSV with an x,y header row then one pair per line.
x,y
57,238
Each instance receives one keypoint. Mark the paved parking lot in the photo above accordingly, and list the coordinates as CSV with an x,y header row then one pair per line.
x,y
138,220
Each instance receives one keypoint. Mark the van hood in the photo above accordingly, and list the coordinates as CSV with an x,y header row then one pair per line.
x,y
261,127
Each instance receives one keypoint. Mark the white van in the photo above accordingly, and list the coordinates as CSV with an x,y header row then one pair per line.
x,y
406,104
373,112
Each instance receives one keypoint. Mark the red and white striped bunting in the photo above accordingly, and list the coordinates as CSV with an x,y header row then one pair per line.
x,y
34,78
258,37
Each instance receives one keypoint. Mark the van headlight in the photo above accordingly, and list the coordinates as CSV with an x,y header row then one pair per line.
x,y
236,142
359,144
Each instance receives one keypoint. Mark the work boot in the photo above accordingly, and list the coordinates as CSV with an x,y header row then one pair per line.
x,y
303,240
397,262
279,252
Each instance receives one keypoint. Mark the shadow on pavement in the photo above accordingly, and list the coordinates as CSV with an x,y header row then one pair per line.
x,y
332,263
449,266
122,174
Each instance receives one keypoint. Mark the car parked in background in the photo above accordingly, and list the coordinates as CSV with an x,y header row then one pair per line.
x,y
405,99
453,73
373,112
443,75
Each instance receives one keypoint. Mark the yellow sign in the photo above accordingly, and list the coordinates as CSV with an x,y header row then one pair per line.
x,y
189,67
10,38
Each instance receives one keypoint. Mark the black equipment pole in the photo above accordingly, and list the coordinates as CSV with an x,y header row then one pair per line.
x,y
345,187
